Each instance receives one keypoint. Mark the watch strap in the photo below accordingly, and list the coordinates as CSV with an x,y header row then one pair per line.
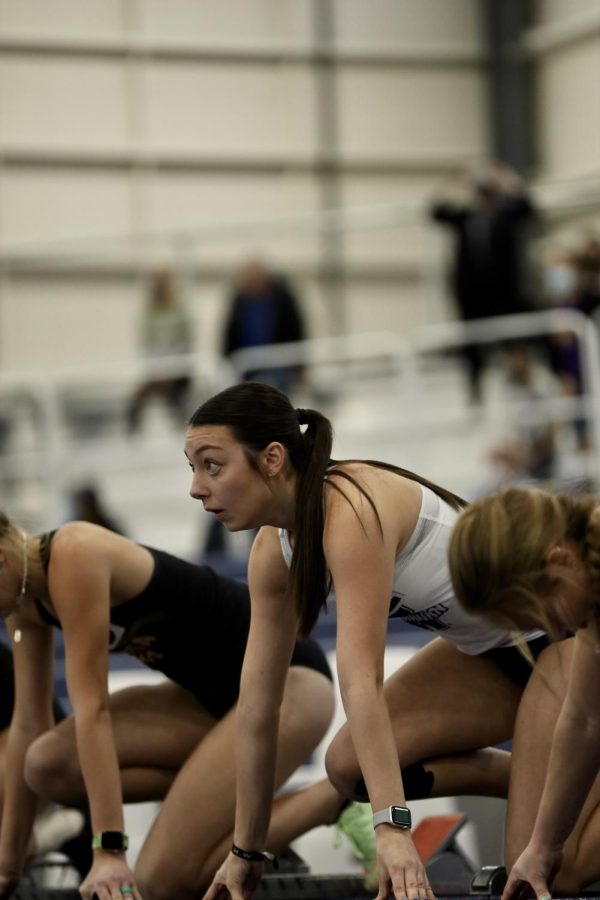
x,y
398,816
255,855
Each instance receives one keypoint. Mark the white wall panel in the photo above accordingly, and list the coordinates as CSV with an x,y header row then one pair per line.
x,y
51,205
235,21
400,246
53,325
237,200
388,113
62,17
114,111
568,110
62,102
547,12
405,243
403,23
385,307
236,109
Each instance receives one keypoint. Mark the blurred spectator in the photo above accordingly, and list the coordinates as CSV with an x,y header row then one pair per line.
x,y
529,452
263,310
87,506
559,278
166,332
572,281
587,271
486,212
560,292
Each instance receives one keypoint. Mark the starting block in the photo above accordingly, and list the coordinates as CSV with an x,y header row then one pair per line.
x,y
310,887
449,870
489,881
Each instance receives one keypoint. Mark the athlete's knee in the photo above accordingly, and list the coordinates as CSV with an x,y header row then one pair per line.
x,y
341,766
51,770
162,878
309,702
417,780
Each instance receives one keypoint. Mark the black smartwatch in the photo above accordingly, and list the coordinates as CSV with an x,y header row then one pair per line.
x,y
399,816
112,841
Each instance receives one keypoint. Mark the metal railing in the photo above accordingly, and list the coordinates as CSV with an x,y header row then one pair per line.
x,y
51,443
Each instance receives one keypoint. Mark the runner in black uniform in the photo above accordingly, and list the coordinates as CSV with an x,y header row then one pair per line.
x,y
173,741
192,625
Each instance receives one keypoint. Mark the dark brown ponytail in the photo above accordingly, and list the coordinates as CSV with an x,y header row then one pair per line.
x,y
258,414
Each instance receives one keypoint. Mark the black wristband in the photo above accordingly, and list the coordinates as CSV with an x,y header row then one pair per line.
x,y
255,855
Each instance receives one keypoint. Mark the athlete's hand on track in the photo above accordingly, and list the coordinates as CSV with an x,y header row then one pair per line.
x,y
400,870
110,878
236,879
533,872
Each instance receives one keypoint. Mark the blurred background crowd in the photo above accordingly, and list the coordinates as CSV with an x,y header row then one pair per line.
x,y
390,210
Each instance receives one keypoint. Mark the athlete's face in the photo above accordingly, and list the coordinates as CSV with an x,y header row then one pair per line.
x,y
566,607
569,607
224,480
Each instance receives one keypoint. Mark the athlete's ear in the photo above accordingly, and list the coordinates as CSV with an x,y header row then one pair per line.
x,y
561,555
273,458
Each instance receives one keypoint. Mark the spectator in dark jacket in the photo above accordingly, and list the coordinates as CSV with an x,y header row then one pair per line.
x,y
487,220
263,311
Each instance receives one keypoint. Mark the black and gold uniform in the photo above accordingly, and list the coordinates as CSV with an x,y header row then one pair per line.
x,y
192,625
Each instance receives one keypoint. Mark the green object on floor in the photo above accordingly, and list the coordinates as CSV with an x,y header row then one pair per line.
x,y
356,823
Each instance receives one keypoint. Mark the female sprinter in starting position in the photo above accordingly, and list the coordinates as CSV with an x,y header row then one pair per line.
x,y
526,557
172,740
377,536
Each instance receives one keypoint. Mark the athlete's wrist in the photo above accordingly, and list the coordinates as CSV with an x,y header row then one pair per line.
x,y
260,856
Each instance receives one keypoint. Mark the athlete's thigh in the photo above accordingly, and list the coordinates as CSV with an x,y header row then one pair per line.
x,y
443,701
306,714
203,793
538,713
532,740
205,785
153,725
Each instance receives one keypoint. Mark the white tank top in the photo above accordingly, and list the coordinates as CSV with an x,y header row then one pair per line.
x,y
422,592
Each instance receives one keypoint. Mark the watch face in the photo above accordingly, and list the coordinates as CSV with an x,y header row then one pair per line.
x,y
401,816
113,840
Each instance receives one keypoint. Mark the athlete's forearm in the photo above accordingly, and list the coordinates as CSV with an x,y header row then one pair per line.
x,y
256,759
374,744
20,803
573,765
100,769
